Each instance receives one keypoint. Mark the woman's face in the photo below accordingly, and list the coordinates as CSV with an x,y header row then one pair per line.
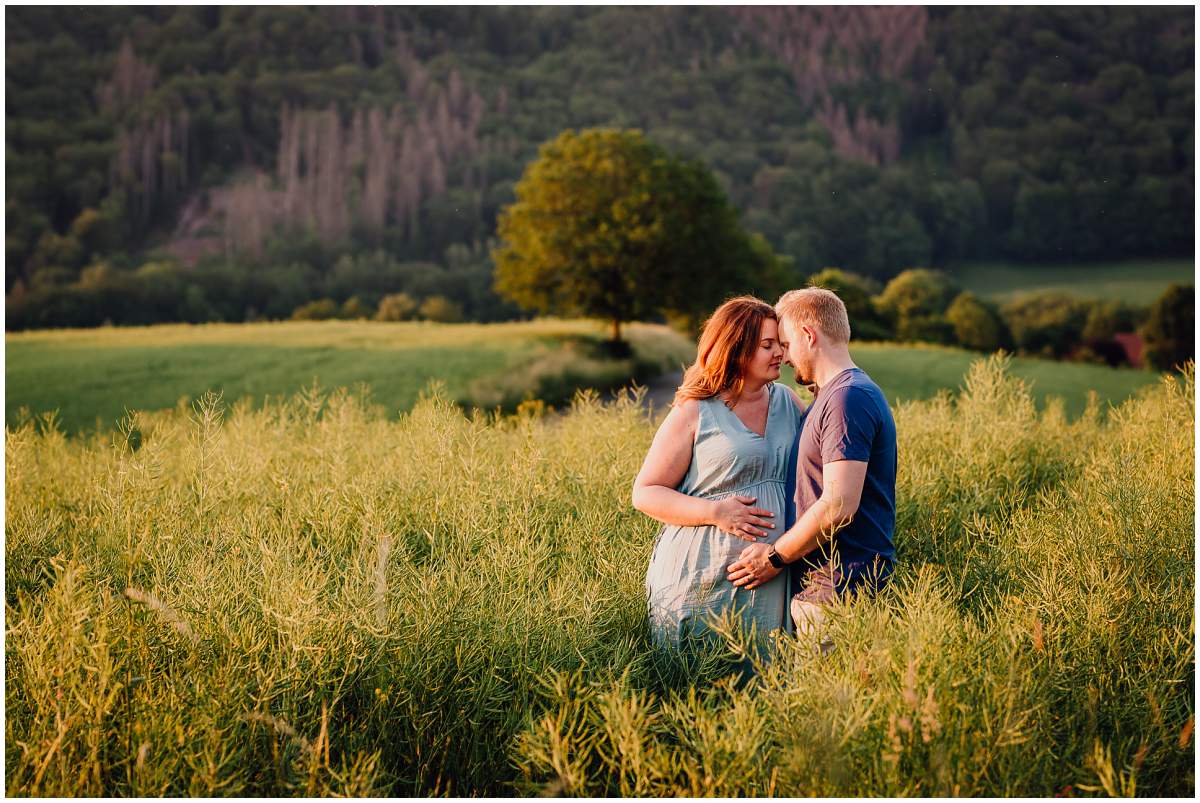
x,y
764,365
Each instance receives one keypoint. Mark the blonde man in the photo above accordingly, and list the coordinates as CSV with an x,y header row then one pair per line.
x,y
846,469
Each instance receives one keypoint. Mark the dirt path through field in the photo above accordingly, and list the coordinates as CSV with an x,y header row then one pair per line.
x,y
661,390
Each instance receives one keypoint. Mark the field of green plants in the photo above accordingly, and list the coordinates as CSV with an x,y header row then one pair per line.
x,y
310,597
92,376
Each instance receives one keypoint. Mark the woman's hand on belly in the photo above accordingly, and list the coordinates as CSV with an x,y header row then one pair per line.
x,y
736,515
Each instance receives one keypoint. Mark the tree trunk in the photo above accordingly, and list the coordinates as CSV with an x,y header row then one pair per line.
x,y
616,331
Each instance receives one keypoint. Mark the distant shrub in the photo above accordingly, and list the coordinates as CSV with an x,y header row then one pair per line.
x,y
441,310
322,309
1105,320
354,308
1108,318
917,292
926,329
396,307
914,303
977,324
1047,324
1171,329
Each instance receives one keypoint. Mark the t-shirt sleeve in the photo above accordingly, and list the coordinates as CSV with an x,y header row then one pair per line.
x,y
848,426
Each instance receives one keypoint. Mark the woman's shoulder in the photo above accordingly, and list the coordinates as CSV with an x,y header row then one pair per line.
x,y
685,412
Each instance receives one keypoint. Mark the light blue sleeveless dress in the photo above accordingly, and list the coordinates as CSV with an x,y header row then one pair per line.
x,y
686,582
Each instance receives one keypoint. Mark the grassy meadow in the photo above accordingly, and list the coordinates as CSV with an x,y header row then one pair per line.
x,y
1137,282
310,597
93,376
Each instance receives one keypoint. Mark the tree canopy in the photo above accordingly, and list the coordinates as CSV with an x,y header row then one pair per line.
x,y
607,224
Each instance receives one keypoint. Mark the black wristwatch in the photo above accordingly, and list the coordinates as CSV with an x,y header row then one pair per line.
x,y
773,556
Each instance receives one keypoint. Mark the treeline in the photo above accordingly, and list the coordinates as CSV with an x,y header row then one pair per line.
x,y
258,147
922,305
283,284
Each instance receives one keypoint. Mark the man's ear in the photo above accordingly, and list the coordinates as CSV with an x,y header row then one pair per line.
x,y
810,333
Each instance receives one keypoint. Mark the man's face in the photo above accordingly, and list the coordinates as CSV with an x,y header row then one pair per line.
x,y
797,351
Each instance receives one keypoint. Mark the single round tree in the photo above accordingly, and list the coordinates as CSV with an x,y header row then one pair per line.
x,y
1046,323
917,293
915,302
608,225
977,324
396,307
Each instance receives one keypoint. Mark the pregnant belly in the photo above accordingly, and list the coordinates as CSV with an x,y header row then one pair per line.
x,y
702,554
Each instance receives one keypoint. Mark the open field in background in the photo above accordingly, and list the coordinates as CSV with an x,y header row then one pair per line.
x,y
312,598
98,373
916,371
1137,282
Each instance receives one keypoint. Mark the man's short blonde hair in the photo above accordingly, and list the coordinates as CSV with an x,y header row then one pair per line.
x,y
816,307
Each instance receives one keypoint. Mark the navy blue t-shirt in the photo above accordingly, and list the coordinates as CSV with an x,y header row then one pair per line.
x,y
850,420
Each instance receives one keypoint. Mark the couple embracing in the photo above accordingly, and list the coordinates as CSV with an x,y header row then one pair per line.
x,y
770,509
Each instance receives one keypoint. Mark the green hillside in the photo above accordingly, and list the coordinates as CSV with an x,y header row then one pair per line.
x,y
1131,281
197,164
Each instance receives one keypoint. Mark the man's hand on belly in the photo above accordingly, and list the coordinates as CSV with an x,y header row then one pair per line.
x,y
752,568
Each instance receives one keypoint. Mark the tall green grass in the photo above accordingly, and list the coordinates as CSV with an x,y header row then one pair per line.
x,y
310,598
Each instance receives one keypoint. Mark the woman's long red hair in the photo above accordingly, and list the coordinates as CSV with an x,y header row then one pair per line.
x,y
727,345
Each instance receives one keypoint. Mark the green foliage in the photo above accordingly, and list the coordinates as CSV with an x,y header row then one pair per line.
x,y
977,324
440,309
915,303
917,292
1049,324
607,224
396,307
246,606
1170,331
1107,318
323,309
355,309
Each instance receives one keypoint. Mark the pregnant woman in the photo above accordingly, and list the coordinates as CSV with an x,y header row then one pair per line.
x,y
717,476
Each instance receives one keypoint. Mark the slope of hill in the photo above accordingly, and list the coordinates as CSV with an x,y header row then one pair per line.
x,y
298,138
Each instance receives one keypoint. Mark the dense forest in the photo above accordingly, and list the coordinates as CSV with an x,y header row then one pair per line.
x,y
232,163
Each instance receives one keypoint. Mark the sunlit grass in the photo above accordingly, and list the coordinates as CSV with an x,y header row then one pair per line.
x,y
91,377
310,597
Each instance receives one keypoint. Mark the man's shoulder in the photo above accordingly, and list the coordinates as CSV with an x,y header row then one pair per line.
x,y
862,386
856,395
855,385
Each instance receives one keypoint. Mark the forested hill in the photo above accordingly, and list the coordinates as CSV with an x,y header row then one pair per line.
x,y
255,158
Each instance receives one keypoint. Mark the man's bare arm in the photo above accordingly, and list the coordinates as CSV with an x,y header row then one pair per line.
x,y
843,486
